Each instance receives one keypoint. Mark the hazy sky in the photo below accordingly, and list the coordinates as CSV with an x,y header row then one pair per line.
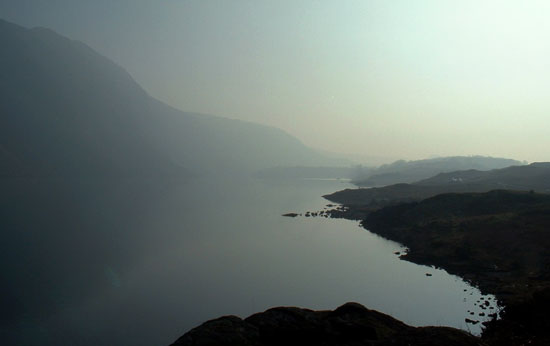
x,y
401,79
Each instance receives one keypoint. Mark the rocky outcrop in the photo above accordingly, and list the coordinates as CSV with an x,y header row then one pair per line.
x,y
350,324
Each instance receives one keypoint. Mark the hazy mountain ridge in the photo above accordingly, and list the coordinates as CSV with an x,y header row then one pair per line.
x,y
68,111
411,171
535,176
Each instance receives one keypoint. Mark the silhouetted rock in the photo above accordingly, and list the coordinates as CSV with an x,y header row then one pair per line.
x,y
350,324
227,330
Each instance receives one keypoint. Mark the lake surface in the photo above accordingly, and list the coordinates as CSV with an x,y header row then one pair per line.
x,y
142,262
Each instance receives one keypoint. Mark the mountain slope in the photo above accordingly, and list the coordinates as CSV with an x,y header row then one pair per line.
x,y
411,171
67,111
535,176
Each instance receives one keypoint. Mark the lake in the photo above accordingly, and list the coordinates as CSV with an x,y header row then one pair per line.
x,y
142,262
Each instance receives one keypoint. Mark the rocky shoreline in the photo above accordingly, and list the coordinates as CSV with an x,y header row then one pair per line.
x,y
500,244
498,241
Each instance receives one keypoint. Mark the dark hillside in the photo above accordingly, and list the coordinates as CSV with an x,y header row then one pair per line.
x,y
535,176
67,111
410,171
499,239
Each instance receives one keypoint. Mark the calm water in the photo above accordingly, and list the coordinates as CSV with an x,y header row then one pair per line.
x,y
141,263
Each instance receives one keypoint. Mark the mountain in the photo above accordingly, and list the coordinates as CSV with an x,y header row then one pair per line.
x,y
535,176
65,110
530,177
410,171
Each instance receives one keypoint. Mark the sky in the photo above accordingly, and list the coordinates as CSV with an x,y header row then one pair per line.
x,y
375,80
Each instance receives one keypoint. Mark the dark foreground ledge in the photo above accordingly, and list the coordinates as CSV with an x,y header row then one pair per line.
x,y
350,324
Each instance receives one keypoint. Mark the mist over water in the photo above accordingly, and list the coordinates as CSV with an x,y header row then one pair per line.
x,y
141,262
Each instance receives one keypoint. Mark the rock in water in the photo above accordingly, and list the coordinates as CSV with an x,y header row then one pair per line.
x,y
290,214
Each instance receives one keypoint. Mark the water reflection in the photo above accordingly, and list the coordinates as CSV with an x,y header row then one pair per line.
x,y
141,262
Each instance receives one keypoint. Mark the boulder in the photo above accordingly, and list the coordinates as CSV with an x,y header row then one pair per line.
x,y
350,324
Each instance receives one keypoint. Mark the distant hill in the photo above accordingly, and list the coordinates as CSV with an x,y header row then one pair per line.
x,y
65,110
535,176
412,171
530,177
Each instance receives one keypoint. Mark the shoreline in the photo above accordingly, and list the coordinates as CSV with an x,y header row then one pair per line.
x,y
497,241
470,235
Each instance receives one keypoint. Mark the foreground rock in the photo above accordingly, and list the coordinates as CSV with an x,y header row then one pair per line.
x,y
350,324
